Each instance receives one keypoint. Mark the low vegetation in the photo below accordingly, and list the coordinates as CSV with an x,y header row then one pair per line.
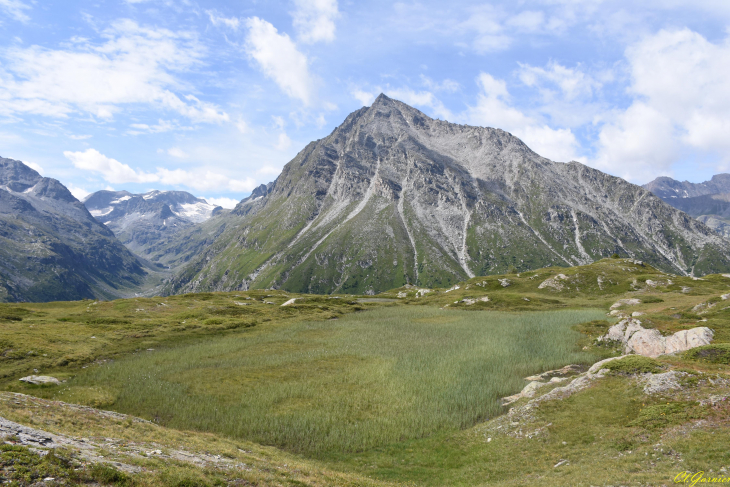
x,y
402,388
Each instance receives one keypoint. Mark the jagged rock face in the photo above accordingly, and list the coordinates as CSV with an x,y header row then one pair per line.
x,y
51,247
149,223
394,197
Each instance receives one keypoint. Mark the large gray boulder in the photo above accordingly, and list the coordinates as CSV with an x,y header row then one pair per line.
x,y
651,343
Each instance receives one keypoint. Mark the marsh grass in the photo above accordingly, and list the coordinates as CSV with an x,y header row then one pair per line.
x,y
346,385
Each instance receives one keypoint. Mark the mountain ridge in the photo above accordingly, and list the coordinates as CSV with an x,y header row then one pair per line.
x,y
52,248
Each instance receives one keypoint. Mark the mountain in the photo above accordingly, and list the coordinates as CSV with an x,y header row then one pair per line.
x,y
709,202
392,197
155,226
669,189
51,248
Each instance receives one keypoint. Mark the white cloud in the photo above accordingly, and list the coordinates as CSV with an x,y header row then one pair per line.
x,y
34,166
242,126
177,152
447,85
110,169
134,65
224,202
493,109
279,59
161,126
15,9
78,192
315,20
681,104
527,21
421,99
116,172
268,170
80,137
364,97
232,23
283,142
572,82
487,30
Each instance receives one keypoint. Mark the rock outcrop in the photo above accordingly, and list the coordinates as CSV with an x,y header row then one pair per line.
x,y
651,343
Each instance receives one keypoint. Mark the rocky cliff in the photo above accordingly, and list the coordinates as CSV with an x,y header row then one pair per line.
x,y
392,197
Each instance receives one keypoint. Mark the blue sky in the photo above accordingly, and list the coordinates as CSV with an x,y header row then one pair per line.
x,y
214,97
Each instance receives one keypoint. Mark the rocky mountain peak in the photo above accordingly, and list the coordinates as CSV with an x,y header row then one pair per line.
x,y
17,176
394,197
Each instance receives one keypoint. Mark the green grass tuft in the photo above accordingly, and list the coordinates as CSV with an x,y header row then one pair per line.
x,y
714,354
634,364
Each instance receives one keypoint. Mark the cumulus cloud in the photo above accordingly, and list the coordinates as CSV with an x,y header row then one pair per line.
x,y
365,97
134,65
223,202
314,20
116,172
493,109
110,169
279,59
15,9
681,104
79,192
34,166
572,82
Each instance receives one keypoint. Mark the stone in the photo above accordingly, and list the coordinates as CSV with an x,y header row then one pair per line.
x,y
667,381
687,339
554,282
651,343
40,379
625,302
290,302
559,373
636,314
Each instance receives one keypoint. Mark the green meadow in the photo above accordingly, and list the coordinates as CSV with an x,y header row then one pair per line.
x,y
403,389
343,385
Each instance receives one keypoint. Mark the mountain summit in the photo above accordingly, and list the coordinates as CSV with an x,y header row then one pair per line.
x,y
392,197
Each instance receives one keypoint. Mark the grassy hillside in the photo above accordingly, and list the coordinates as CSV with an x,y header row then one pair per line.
x,y
401,388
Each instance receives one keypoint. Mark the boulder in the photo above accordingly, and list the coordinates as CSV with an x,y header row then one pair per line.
x,y
686,339
625,302
651,343
40,379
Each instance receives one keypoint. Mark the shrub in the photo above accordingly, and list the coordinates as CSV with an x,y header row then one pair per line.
x,y
108,475
659,415
634,364
714,354
651,299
